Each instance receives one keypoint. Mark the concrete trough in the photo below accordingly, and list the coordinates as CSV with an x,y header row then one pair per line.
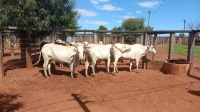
x,y
176,67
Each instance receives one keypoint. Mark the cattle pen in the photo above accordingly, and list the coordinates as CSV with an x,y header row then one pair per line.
x,y
28,41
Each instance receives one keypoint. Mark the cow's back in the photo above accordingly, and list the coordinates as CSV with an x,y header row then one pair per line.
x,y
59,53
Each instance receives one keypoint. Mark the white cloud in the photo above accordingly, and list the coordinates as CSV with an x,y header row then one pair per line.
x,y
85,12
149,4
128,16
120,21
94,1
103,0
138,11
95,22
97,1
110,7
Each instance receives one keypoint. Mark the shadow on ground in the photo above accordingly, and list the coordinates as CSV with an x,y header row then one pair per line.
x,y
8,103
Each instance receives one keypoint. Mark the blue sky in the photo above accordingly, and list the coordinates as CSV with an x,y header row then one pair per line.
x,y
165,14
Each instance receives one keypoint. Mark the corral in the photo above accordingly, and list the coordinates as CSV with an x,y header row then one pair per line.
x,y
26,90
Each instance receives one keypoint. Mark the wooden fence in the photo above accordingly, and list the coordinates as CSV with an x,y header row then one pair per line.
x,y
26,46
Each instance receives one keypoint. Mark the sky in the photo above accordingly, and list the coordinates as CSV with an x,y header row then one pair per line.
x,y
164,14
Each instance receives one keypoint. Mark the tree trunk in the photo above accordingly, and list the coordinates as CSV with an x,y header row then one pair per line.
x,y
22,46
12,50
28,50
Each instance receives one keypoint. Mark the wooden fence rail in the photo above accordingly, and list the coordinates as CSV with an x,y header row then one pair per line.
x,y
28,51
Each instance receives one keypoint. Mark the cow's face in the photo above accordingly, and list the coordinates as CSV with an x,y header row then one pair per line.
x,y
80,51
152,49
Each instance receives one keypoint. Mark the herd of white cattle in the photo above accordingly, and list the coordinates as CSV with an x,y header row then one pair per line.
x,y
91,53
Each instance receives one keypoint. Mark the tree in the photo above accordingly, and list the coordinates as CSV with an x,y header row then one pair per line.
x,y
101,27
149,28
54,14
195,25
117,28
133,24
181,35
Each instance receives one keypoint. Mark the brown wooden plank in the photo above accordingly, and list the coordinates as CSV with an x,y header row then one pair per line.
x,y
144,59
95,38
1,57
171,45
190,54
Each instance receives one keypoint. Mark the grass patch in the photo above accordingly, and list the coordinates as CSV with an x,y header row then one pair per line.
x,y
182,50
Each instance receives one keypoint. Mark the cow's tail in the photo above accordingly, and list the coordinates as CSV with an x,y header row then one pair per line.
x,y
38,60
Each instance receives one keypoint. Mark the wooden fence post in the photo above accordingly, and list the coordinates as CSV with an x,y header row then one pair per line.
x,y
154,44
171,45
190,54
122,39
144,59
1,57
94,38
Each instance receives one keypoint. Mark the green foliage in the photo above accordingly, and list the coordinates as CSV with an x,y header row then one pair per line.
x,y
129,39
54,14
133,24
101,27
149,28
117,28
181,35
183,49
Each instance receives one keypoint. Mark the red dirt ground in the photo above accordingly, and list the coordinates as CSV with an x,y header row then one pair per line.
x,y
27,90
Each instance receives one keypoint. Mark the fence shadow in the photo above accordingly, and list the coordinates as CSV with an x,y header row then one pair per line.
x,y
197,93
8,103
13,64
81,103
195,77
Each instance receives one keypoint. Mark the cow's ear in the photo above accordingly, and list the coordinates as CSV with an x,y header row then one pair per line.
x,y
75,45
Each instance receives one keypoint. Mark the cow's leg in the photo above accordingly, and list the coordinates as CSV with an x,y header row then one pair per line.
x,y
137,63
45,64
93,67
106,61
131,63
71,69
86,67
73,72
49,69
115,65
108,65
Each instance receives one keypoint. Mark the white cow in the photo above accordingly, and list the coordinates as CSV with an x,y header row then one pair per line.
x,y
62,54
94,52
136,51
